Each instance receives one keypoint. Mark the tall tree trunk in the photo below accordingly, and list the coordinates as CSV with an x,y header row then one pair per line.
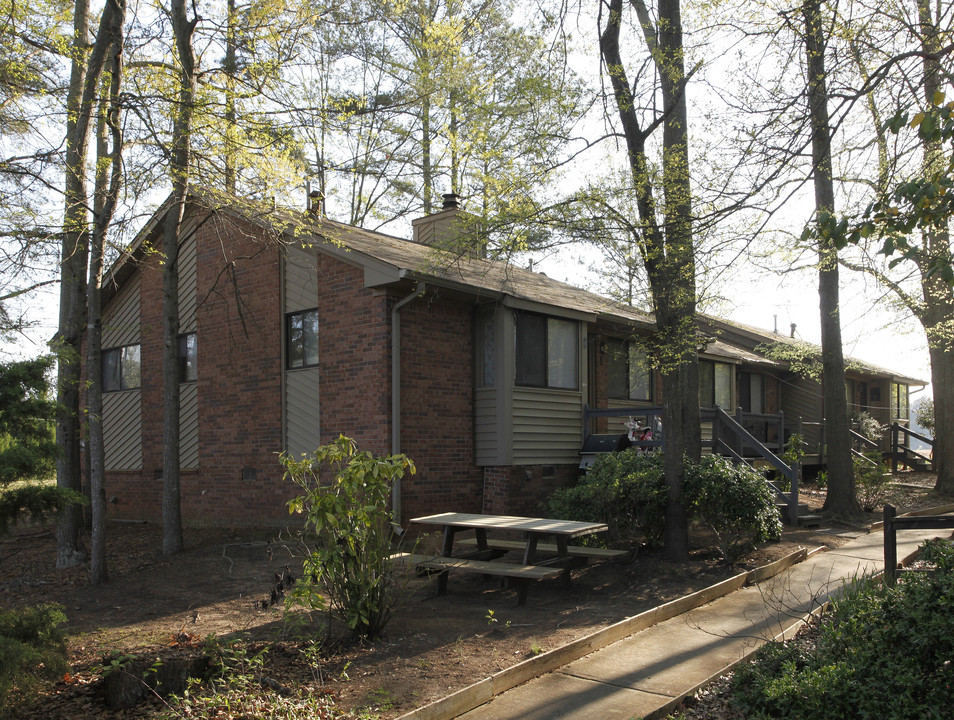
x,y
840,500
231,69
937,295
677,284
667,255
179,169
73,263
108,184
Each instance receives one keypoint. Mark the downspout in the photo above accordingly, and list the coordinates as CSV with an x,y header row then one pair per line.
x,y
396,399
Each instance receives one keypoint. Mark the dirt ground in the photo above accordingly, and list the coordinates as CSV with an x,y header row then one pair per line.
x,y
160,608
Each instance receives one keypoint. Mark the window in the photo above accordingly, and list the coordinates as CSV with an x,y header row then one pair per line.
x,y
302,339
715,384
899,402
752,392
121,369
188,370
547,351
629,374
486,348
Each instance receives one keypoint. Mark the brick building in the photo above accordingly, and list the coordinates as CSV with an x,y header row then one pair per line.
x,y
295,329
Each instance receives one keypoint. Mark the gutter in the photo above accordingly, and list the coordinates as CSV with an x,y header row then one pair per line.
x,y
396,398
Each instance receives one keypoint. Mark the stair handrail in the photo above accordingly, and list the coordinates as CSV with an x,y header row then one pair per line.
x,y
790,473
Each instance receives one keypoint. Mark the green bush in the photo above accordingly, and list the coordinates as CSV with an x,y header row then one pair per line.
x,y
872,481
350,518
735,501
882,652
626,490
32,647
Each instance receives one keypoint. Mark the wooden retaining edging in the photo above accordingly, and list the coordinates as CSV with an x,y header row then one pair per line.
x,y
485,690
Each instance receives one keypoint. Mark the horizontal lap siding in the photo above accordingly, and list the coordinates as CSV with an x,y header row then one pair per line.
x,y
802,399
302,412
547,426
486,446
122,430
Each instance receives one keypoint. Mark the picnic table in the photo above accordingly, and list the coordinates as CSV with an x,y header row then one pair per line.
x,y
481,552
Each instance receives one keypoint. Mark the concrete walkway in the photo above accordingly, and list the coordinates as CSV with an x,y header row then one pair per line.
x,y
650,672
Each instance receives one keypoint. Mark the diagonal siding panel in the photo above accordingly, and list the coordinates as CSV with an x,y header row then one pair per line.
x,y
122,430
188,425
121,317
188,298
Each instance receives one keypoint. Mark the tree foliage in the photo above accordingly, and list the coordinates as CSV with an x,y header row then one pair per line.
x,y
27,446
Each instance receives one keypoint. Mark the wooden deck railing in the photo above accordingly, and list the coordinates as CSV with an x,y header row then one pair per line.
x,y
901,453
893,523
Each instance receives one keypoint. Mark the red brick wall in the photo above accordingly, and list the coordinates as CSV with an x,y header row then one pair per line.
x,y
437,430
521,489
354,354
239,329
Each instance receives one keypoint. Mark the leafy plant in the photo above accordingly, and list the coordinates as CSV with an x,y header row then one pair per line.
x,y
872,481
348,513
32,647
881,652
924,414
735,501
626,490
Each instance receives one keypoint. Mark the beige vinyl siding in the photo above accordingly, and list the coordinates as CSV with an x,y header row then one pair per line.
x,y
188,299
486,445
802,399
617,425
301,278
188,425
122,430
121,318
301,403
547,426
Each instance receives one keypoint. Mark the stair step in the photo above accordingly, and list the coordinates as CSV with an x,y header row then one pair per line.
x,y
810,520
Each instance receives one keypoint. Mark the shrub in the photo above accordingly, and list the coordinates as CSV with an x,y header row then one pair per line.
x,y
626,490
881,652
349,514
872,481
32,647
735,501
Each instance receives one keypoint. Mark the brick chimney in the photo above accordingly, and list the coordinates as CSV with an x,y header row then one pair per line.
x,y
450,229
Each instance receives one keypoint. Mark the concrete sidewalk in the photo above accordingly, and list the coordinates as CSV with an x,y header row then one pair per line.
x,y
651,671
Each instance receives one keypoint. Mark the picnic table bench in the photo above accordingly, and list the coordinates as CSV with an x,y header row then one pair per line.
x,y
483,558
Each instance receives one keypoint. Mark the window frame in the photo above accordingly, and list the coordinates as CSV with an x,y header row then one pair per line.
x,y
289,337
628,349
713,401
124,355
186,360
546,364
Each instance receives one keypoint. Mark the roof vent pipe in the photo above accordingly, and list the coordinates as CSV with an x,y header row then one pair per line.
x,y
451,201
793,330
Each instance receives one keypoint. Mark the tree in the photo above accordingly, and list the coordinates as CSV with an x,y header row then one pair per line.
x,y
666,245
89,63
27,444
840,499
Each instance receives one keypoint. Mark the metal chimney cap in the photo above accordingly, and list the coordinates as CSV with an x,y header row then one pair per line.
x,y
451,201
